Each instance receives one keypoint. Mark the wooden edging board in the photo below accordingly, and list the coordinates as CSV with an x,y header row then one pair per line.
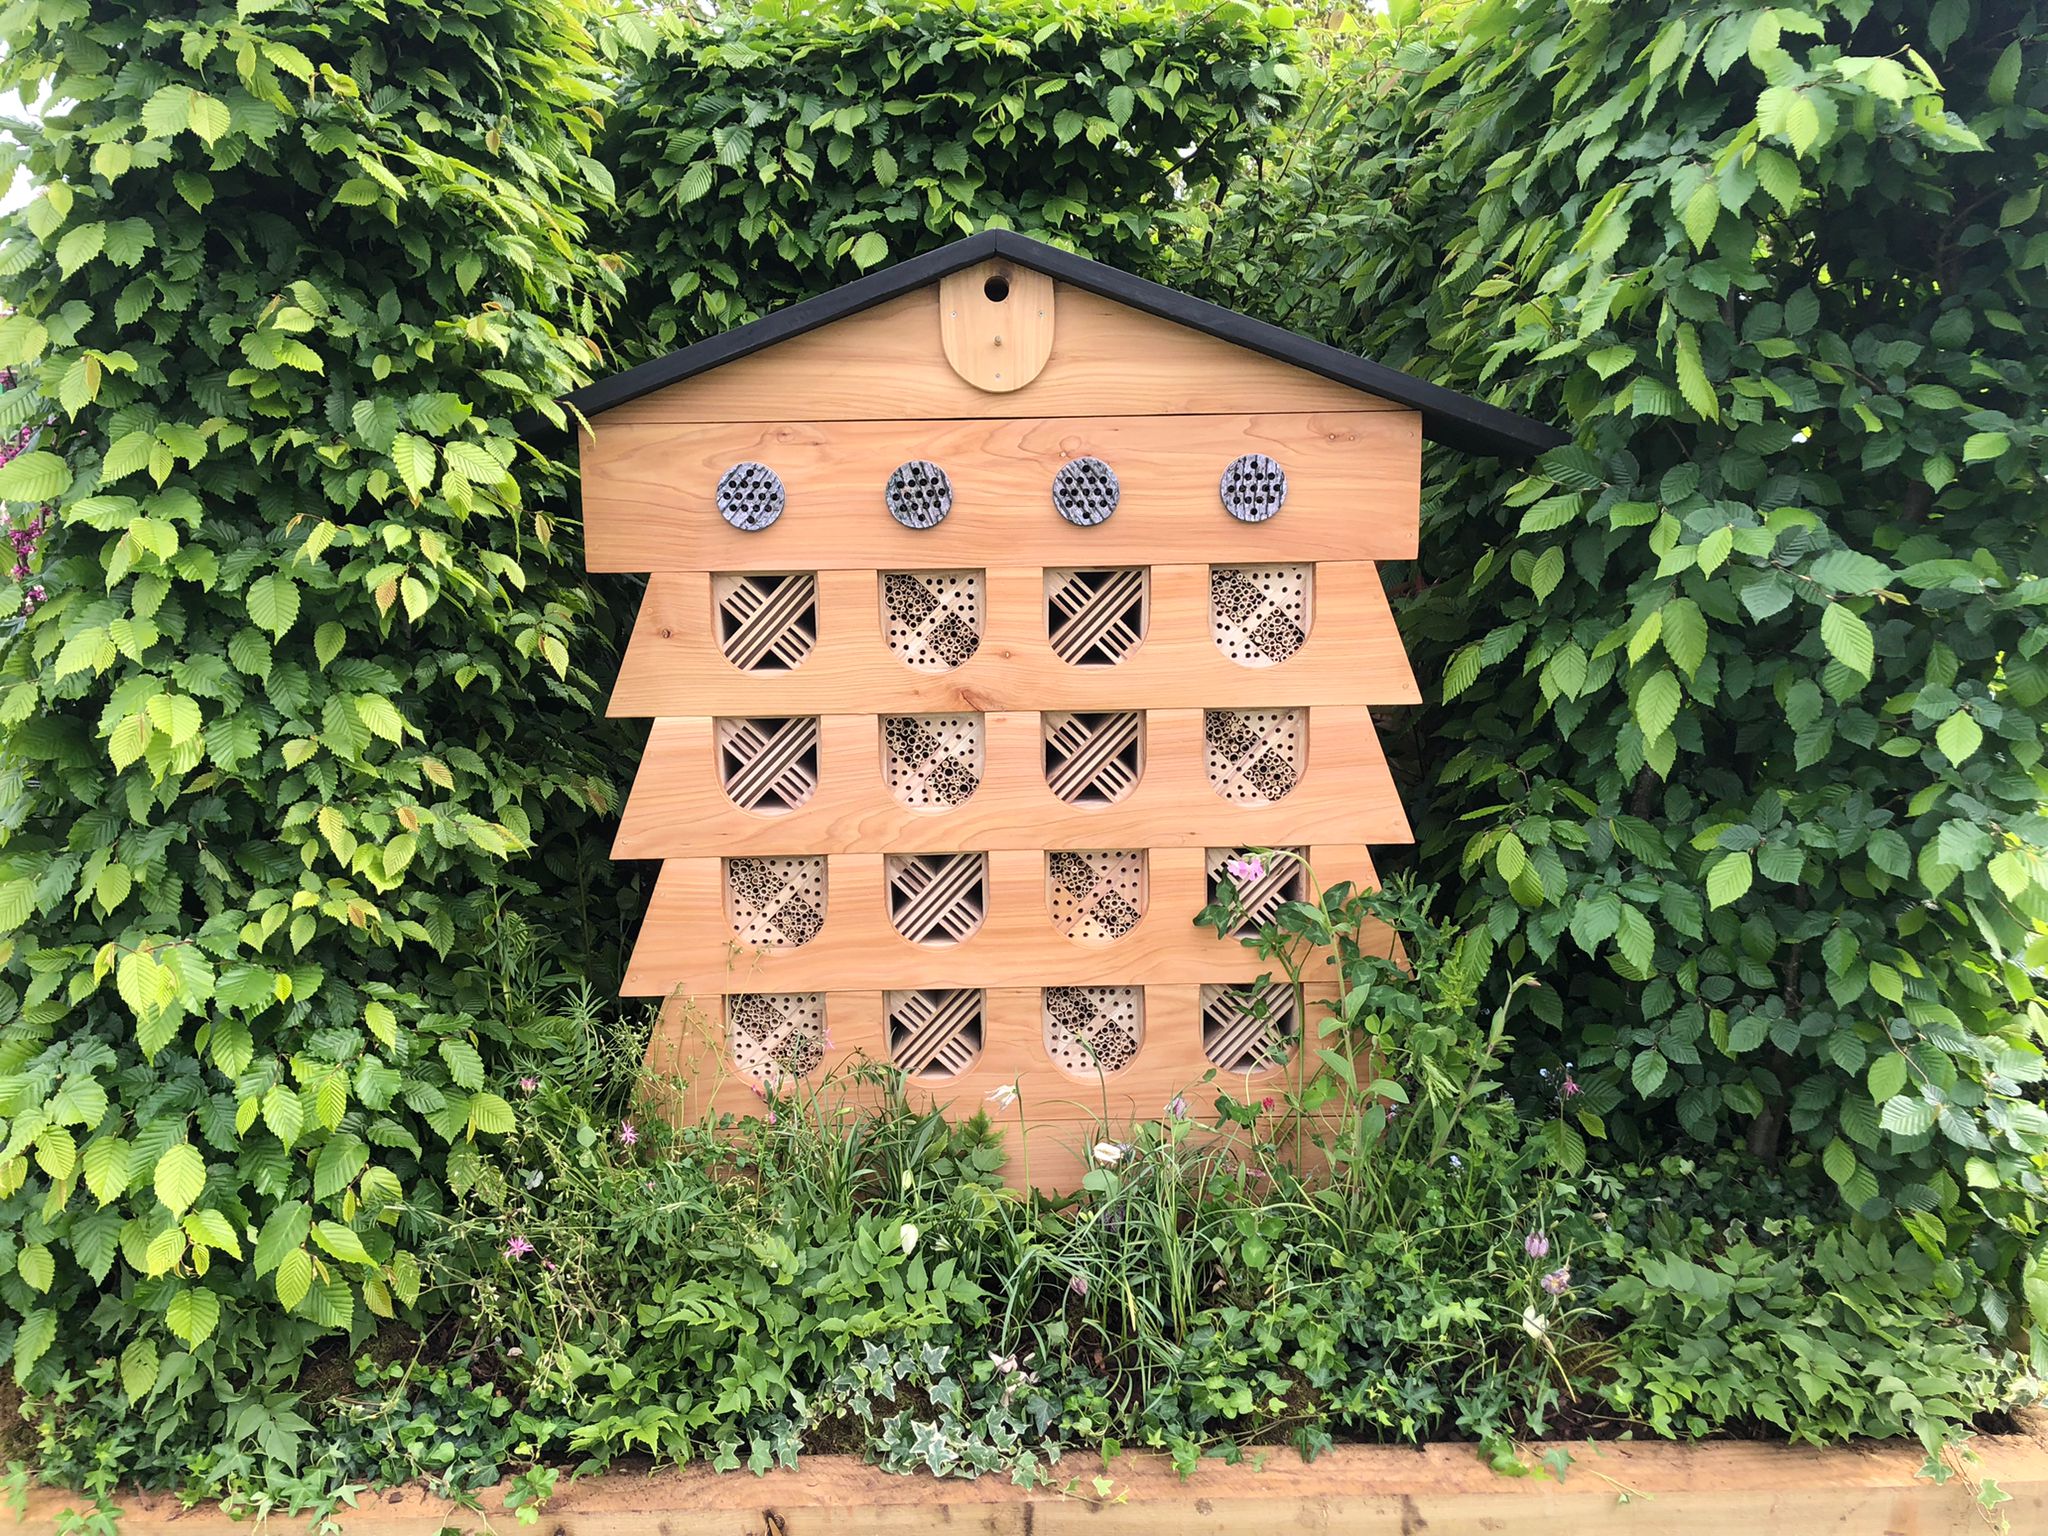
x,y
1644,1488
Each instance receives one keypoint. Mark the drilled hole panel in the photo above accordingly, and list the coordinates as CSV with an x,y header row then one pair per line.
x,y
1253,488
937,899
1096,897
1261,614
1247,1029
775,903
1085,492
932,762
1093,759
1284,879
1256,756
1095,618
1094,1031
750,496
935,1034
776,1036
919,494
932,618
766,623
768,766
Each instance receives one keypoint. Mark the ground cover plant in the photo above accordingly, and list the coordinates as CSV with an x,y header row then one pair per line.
x,y
1710,1103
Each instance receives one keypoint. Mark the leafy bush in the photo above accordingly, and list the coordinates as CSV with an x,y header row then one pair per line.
x,y
768,156
301,695
1740,747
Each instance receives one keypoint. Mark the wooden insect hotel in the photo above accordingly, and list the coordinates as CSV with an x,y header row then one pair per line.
x,y
994,601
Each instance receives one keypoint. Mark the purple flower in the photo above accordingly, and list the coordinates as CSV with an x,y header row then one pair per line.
x,y
1248,870
1559,1280
518,1248
1078,1285
1177,1107
627,1135
1536,1245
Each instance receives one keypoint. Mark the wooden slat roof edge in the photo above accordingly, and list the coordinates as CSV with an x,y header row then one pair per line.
x,y
1448,417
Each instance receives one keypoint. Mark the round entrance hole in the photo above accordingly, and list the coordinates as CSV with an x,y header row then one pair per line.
x,y
996,288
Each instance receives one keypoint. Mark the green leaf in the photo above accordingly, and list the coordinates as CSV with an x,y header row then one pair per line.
x,y
415,459
1981,446
284,1113
36,476
1685,634
79,246
1729,880
1959,737
294,1278
273,603
1647,1072
1656,703
180,1177
1887,1076
1848,639
206,116
341,1241
193,1315
285,1230
869,250
1693,383
139,1365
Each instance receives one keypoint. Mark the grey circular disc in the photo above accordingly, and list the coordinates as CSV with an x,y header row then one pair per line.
x,y
1253,488
1085,492
919,494
750,496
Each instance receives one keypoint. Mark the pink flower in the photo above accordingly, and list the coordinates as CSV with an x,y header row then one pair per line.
x,y
1177,1107
1559,1280
528,1084
1571,1087
518,1248
1267,1103
1248,870
1536,1245
627,1135
1078,1285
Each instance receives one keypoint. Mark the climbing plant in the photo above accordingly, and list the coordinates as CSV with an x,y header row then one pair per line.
x,y
767,156
297,685
1742,694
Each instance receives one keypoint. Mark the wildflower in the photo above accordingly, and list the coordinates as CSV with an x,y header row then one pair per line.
x,y
1267,1103
548,1265
1559,1280
1571,1087
528,1084
627,1135
1457,1161
518,1248
533,1179
909,1238
1248,870
1537,1245
1078,1285
1177,1107
1533,1324
1004,1096
1109,1153
1004,1364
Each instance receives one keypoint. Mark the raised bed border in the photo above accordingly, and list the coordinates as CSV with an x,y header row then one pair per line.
x,y
1647,1488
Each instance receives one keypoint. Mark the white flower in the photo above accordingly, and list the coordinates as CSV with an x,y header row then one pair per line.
x,y
1533,1324
1109,1153
1004,1364
1004,1096
909,1237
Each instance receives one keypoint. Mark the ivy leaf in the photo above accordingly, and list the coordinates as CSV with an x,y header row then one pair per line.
x,y
180,1177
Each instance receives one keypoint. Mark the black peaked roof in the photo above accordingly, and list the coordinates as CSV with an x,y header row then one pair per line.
x,y
1455,420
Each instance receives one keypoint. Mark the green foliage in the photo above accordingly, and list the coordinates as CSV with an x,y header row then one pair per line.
x,y
768,156
301,703
1740,741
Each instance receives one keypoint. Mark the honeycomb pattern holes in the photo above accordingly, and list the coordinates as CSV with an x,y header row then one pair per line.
x,y
935,1034
1085,492
1261,614
1093,1032
1253,488
775,903
1093,759
768,766
932,619
776,1036
1256,756
766,623
1096,897
1248,1028
932,762
750,496
937,899
1095,618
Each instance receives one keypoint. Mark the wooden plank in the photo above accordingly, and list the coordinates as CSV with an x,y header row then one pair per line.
x,y
1640,1488
1107,360
1354,482
1059,1109
996,319
674,665
679,807
686,941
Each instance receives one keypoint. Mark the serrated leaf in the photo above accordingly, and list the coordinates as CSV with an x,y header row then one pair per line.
x,y
341,1241
1848,639
1693,383
35,476
1656,703
139,1365
273,603
1729,879
1959,737
180,1177
869,250
294,1278
193,1315
79,246
1684,634
1648,1071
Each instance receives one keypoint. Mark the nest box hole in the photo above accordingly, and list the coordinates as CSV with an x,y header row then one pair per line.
x,y
996,289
